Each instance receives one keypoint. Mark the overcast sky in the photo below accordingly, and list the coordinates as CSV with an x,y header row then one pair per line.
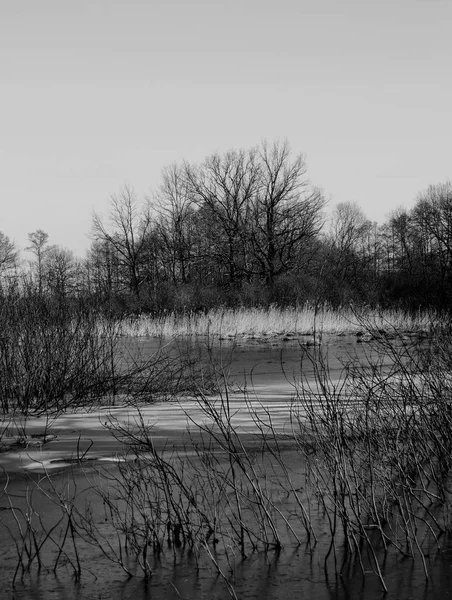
x,y
98,93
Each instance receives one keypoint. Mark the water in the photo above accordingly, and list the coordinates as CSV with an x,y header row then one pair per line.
x,y
38,508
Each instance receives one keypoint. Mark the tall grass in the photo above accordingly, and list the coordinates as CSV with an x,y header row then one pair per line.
x,y
273,321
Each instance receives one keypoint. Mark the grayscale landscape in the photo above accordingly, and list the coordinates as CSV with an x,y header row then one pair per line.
x,y
225,300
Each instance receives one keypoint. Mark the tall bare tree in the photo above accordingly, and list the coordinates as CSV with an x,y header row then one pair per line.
x,y
62,271
286,211
349,234
8,254
126,231
174,203
433,216
223,188
102,269
39,241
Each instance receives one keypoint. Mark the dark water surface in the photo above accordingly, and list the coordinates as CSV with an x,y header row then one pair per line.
x,y
295,571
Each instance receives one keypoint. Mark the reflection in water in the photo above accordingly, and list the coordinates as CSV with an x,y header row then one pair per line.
x,y
295,574
309,570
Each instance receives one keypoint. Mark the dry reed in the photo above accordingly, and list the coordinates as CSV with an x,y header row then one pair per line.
x,y
273,322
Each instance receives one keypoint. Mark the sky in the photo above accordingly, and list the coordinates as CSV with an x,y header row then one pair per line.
x,y
95,94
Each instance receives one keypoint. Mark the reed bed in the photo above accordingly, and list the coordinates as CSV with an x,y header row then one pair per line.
x,y
274,321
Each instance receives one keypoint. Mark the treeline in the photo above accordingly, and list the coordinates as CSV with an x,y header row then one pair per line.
x,y
245,228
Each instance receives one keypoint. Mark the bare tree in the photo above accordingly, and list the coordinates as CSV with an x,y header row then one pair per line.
x,y
286,212
8,254
39,240
433,216
62,271
102,269
175,205
348,226
349,236
126,233
223,188
399,240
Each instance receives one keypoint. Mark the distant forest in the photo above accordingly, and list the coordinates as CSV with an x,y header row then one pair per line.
x,y
244,228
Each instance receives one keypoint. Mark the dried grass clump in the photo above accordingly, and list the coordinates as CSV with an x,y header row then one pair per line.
x,y
273,321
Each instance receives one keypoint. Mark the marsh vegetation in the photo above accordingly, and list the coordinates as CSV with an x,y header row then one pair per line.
x,y
356,473
274,321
